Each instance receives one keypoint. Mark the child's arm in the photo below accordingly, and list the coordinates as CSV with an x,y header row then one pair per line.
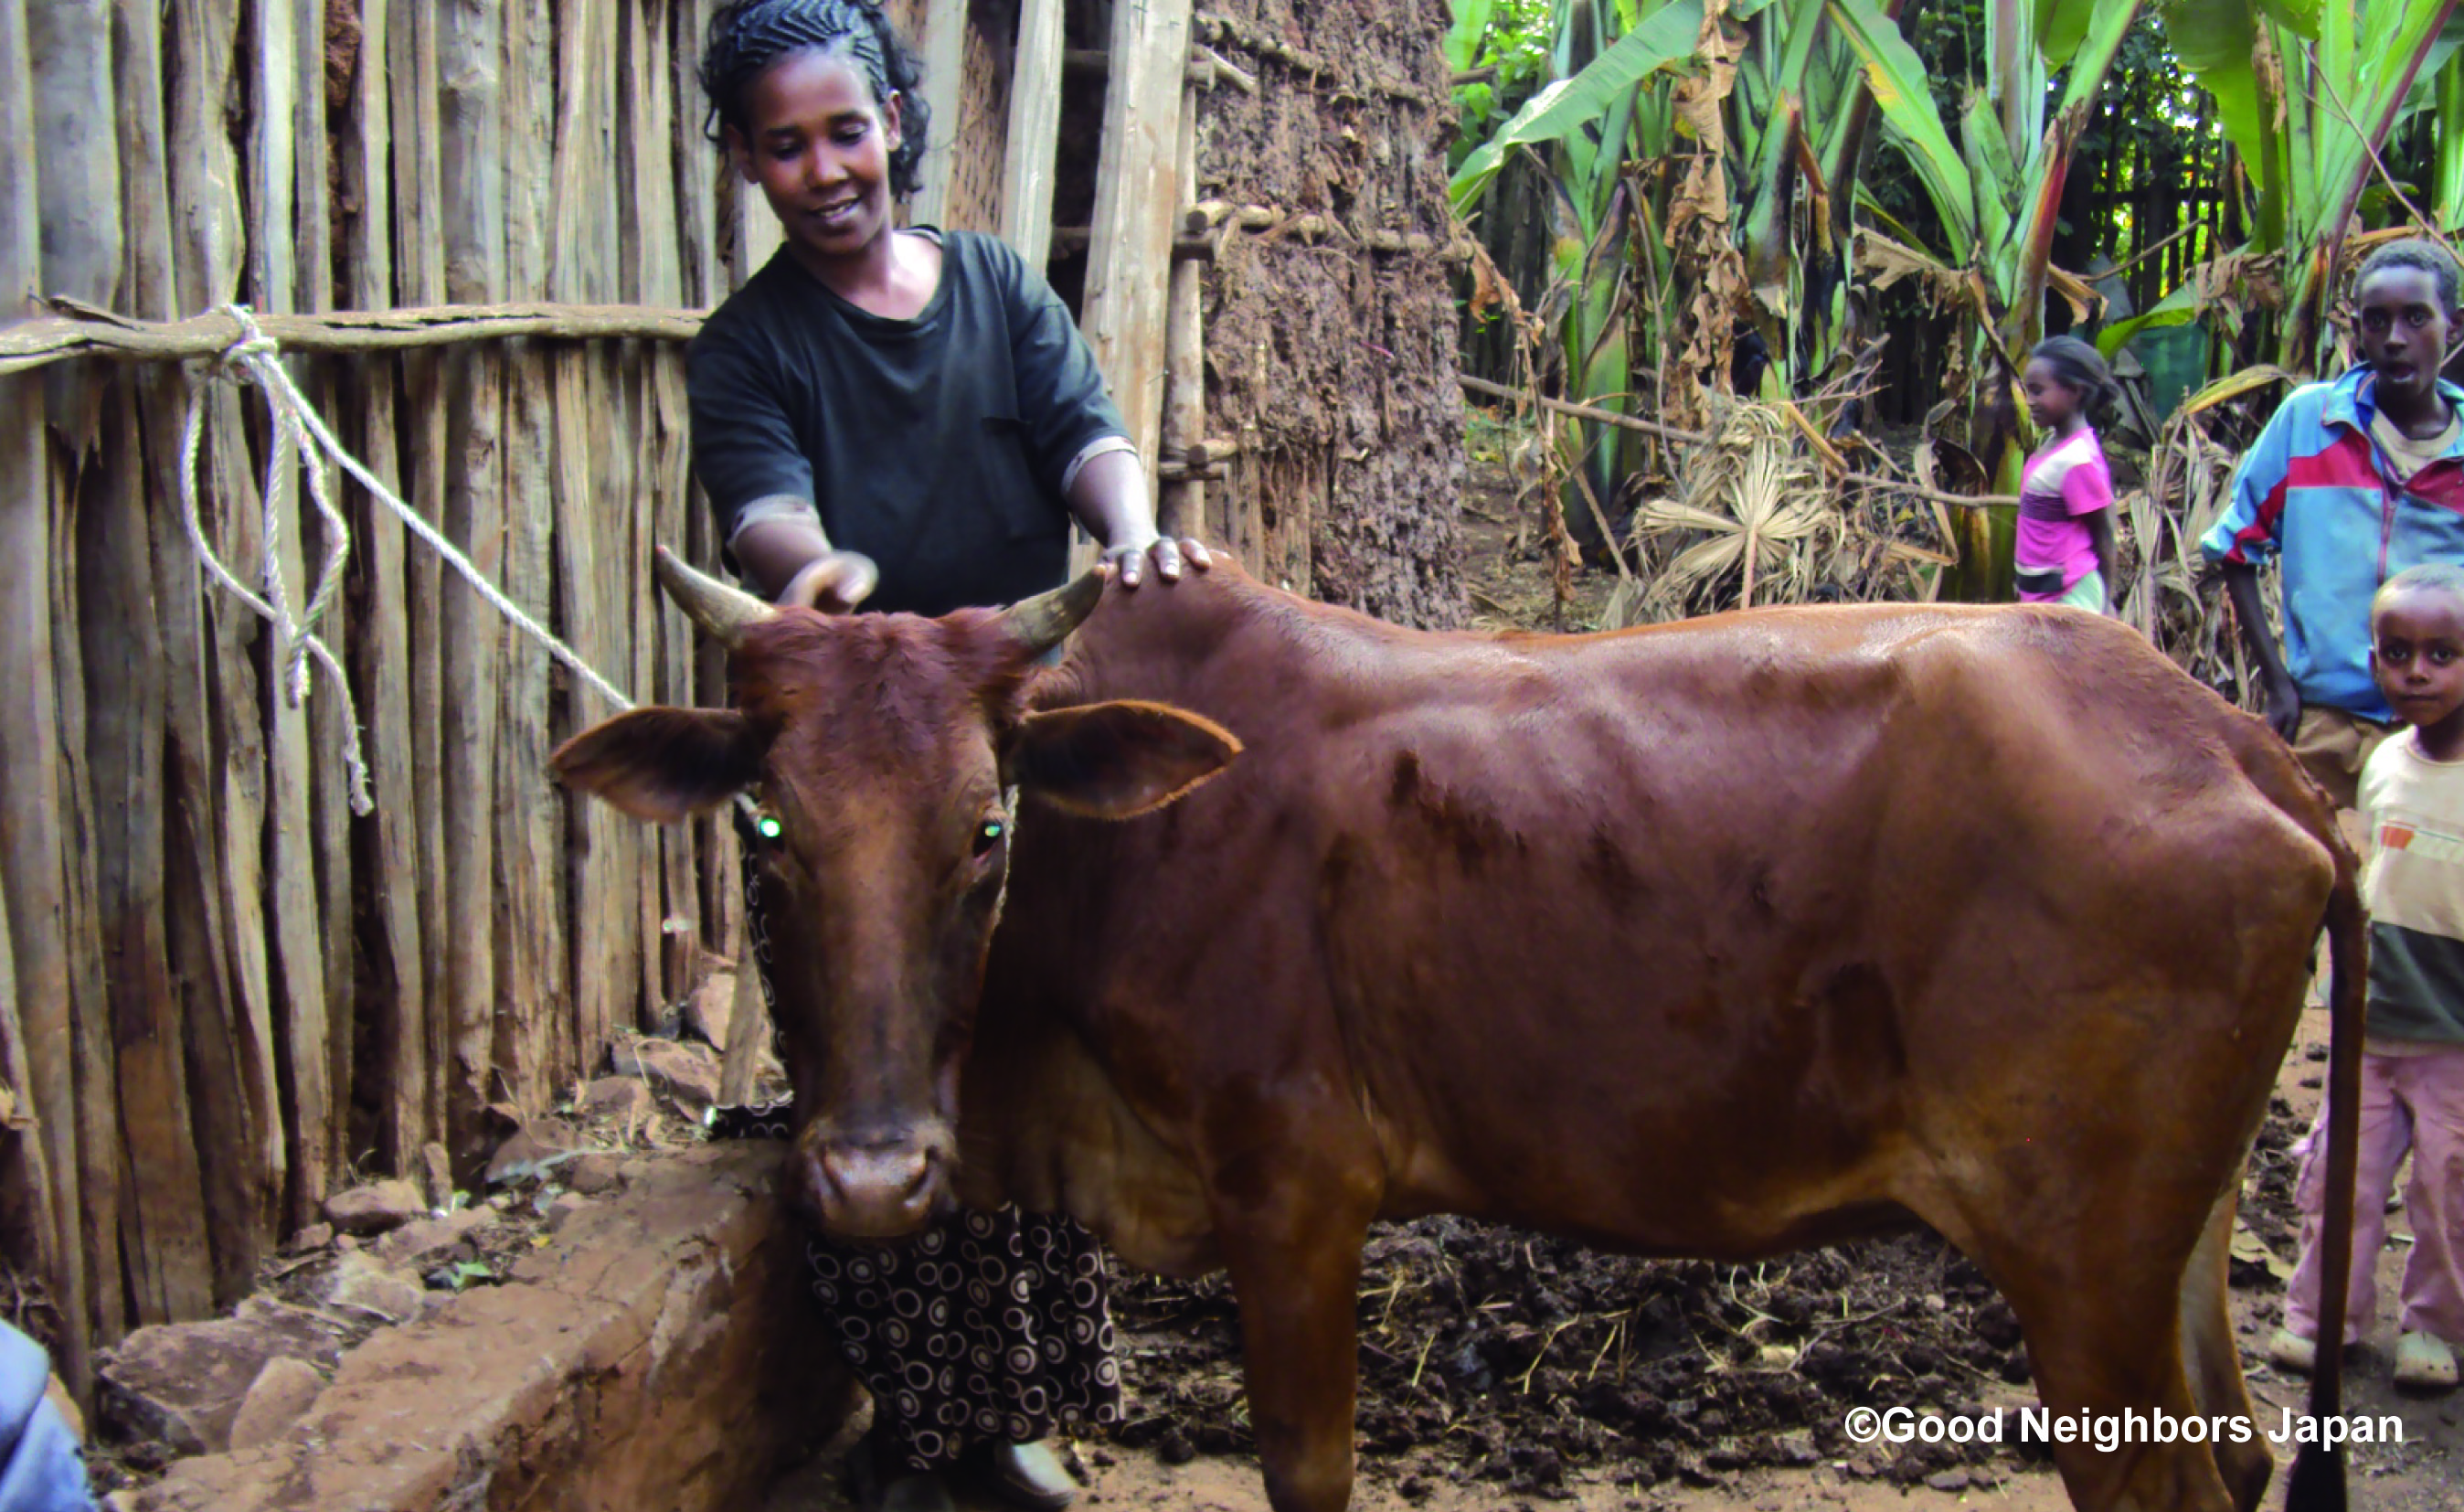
x,y
2248,534
2088,495
2100,535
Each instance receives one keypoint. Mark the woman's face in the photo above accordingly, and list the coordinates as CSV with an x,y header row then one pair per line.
x,y
818,146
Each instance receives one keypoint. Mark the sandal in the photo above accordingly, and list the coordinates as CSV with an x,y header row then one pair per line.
x,y
2288,1350
2424,1362
1030,1476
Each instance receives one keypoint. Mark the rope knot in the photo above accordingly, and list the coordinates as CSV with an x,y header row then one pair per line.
x,y
252,342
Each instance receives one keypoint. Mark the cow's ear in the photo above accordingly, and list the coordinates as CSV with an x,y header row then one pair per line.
x,y
1112,761
662,764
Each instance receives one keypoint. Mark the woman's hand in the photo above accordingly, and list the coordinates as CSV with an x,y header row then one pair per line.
x,y
835,582
1130,559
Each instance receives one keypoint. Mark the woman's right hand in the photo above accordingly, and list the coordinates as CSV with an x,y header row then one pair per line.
x,y
835,583
2284,707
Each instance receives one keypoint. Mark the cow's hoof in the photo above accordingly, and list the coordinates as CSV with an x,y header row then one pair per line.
x,y
2423,1363
1031,1476
2288,1350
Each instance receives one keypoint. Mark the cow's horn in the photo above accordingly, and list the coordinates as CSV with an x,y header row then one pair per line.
x,y
723,610
1045,620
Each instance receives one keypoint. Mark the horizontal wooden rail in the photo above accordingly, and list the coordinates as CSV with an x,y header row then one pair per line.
x,y
1670,433
82,330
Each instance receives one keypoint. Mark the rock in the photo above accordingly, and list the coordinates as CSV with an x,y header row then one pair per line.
x,y
597,1172
282,1392
1175,1449
712,1009
1948,1480
182,1384
375,1207
619,1098
563,1208
533,1152
434,1241
437,1175
315,1237
1797,1447
359,1281
688,1073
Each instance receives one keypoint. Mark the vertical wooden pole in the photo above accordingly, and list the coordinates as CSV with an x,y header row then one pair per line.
x,y
78,193
387,849
1180,507
1034,132
944,46
528,934
218,965
415,71
293,917
1128,263
470,52
328,791
30,799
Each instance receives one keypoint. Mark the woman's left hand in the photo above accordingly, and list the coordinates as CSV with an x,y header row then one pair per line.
x,y
1168,554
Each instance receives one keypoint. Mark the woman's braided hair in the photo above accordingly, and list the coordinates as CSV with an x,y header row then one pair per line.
x,y
746,37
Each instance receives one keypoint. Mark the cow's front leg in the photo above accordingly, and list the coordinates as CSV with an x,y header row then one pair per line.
x,y
1295,1264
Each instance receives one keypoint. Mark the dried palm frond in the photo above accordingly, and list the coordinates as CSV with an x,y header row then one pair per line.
x,y
1752,521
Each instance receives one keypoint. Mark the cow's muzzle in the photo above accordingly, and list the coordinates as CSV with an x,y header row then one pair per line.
x,y
876,1189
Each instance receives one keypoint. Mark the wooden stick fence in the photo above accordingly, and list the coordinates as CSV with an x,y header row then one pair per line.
x,y
480,234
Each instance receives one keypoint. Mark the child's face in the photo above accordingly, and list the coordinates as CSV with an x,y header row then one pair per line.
x,y
2405,330
818,146
2051,402
2417,654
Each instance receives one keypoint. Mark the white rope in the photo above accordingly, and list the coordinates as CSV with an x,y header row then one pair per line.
x,y
254,356
295,641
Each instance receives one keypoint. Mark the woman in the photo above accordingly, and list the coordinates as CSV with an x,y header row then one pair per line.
x,y
909,420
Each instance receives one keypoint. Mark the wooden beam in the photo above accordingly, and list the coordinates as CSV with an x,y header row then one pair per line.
x,y
1181,505
1034,132
944,50
1136,202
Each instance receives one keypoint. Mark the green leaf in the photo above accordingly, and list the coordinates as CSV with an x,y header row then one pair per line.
x,y
1664,41
1991,170
2300,17
2061,25
1898,81
1462,38
2090,57
2178,309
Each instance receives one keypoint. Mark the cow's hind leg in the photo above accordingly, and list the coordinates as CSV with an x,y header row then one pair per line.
x,y
2213,1359
2100,1303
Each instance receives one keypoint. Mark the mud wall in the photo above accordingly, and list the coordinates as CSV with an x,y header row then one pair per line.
x,y
1332,361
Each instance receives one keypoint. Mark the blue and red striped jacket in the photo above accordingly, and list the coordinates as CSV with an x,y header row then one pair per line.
x,y
2317,488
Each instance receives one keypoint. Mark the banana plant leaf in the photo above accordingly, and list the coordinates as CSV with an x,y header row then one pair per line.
x,y
1664,42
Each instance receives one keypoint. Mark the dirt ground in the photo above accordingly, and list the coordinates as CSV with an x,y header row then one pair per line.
x,y
1504,1371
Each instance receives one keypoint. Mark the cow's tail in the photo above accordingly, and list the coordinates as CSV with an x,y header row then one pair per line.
x,y
2317,1481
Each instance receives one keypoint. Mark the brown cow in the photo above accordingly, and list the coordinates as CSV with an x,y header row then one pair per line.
x,y
1718,939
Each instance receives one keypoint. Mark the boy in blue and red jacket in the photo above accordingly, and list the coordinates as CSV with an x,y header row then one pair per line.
x,y
2351,483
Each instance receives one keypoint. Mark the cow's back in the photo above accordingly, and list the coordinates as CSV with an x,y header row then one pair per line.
x,y
1707,938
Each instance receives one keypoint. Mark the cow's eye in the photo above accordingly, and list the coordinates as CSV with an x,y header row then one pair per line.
x,y
988,834
768,827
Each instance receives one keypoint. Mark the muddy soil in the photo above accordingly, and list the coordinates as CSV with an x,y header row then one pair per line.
x,y
1502,1370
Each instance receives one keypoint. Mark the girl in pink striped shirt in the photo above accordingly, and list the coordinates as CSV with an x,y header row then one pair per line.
x,y
2065,547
